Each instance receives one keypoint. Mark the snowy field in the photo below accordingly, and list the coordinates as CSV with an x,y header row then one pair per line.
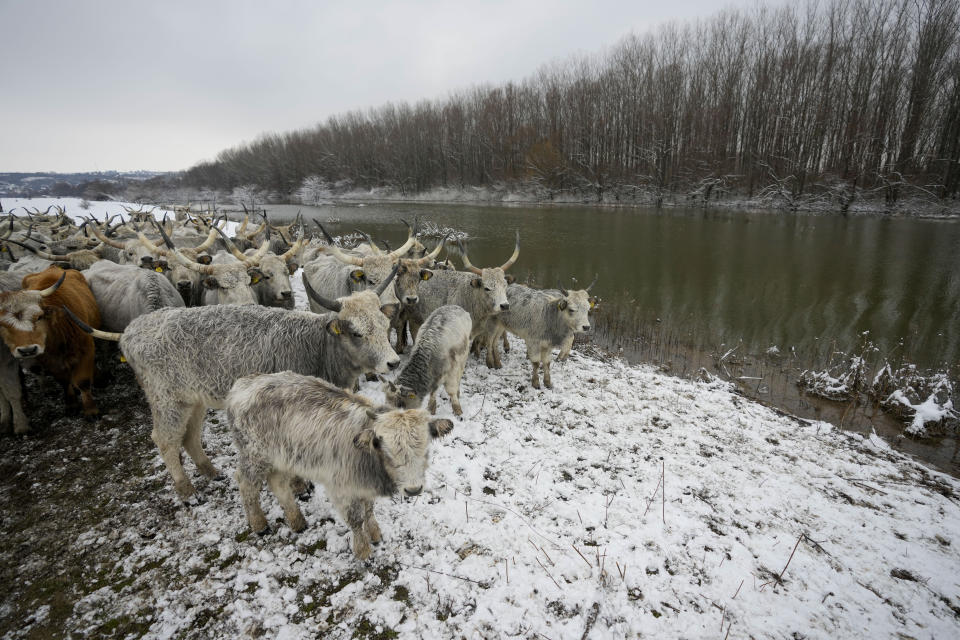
x,y
622,503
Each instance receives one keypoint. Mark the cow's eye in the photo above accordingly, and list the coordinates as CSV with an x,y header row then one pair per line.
x,y
487,289
356,334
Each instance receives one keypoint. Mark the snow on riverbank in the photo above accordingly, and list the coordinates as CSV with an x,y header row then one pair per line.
x,y
542,514
623,502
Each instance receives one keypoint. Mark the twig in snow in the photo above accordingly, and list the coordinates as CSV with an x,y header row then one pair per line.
x,y
728,631
652,496
606,509
581,555
481,407
663,489
449,575
581,519
738,591
780,577
466,510
548,573
506,567
723,618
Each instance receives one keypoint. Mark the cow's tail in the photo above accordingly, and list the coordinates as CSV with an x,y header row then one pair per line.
x,y
96,333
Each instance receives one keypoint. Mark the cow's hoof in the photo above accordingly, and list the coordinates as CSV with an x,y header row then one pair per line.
x,y
210,471
298,523
548,384
184,489
264,532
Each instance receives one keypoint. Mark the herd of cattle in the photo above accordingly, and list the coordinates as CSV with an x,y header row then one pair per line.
x,y
169,292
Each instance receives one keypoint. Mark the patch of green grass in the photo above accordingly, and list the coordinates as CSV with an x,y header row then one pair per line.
x,y
401,594
368,630
240,537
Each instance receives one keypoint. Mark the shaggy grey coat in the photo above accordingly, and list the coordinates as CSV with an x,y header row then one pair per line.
x,y
481,296
125,292
187,359
287,425
545,319
439,356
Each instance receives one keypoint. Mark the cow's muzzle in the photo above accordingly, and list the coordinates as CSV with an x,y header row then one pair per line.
x,y
413,492
28,351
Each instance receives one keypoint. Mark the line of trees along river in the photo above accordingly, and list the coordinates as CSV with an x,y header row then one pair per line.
x,y
829,98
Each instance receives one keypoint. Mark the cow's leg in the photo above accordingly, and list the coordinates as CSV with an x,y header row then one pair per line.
x,y
169,428
12,401
193,443
493,354
401,335
545,359
506,343
533,354
370,523
354,512
249,480
452,382
280,485
81,378
432,405
414,330
565,348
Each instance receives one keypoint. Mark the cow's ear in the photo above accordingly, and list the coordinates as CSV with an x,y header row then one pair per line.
x,y
367,441
255,275
389,310
562,304
334,328
211,283
205,259
594,302
357,275
510,278
476,283
440,427
292,267
426,274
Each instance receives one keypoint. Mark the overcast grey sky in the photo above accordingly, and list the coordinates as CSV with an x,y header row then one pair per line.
x,y
100,85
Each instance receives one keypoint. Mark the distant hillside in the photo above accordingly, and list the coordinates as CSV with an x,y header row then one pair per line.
x,y
70,184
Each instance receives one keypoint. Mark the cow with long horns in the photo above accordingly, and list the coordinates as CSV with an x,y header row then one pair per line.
x,y
339,272
164,349
35,329
481,292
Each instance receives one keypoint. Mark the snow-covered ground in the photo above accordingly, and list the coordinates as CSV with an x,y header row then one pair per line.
x,y
622,503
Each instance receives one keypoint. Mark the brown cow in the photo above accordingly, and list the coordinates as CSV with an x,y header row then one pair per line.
x,y
33,325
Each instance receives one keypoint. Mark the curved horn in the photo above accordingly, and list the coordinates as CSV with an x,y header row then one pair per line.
x,y
516,254
326,235
206,244
152,248
326,303
56,285
166,239
206,269
335,251
563,291
466,260
430,257
243,225
411,239
292,251
104,239
96,333
373,245
595,277
230,246
386,282
254,260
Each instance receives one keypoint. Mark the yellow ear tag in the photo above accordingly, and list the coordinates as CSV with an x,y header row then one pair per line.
x,y
122,359
255,280
425,276
592,304
411,395
336,329
159,269
560,305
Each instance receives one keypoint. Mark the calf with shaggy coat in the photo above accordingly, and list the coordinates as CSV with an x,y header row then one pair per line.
x,y
286,425
439,356
544,320
187,359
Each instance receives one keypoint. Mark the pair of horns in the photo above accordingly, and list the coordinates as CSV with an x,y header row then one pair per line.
x,y
589,286
335,305
506,265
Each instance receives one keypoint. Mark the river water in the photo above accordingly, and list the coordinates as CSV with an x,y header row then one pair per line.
x,y
683,287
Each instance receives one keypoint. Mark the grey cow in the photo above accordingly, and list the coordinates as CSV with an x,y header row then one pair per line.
x,y
481,292
439,356
287,425
124,292
543,319
187,359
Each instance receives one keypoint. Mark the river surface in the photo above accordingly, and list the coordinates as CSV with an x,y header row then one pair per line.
x,y
683,287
